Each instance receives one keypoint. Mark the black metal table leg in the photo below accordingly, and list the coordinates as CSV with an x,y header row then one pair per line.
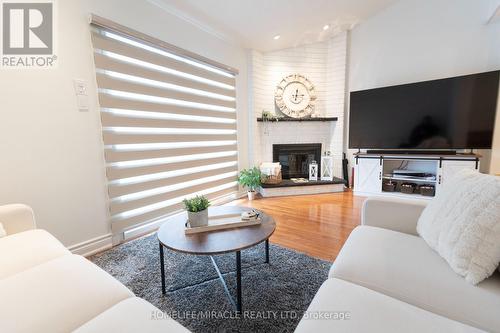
x,y
162,268
238,281
267,251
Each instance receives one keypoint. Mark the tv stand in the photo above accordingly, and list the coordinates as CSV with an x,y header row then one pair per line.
x,y
410,152
386,174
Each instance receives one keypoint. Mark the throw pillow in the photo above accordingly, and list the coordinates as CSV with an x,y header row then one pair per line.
x,y
462,224
3,233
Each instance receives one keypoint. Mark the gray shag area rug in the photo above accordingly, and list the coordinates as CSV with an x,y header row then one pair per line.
x,y
275,295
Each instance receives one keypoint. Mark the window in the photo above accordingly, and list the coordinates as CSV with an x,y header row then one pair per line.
x,y
168,124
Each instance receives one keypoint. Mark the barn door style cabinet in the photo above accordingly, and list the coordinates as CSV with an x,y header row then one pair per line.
x,y
410,176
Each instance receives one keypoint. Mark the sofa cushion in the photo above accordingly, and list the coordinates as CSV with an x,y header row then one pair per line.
x,y
27,249
404,267
57,296
462,224
369,311
130,316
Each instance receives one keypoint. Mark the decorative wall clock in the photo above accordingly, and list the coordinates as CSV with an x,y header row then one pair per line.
x,y
295,96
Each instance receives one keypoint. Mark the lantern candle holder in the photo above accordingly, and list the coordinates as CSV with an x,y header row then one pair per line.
x,y
313,171
327,167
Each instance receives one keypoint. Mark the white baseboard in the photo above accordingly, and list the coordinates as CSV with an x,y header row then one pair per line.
x,y
92,246
146,228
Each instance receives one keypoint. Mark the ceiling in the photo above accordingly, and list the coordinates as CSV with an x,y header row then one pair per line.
x,y
253,23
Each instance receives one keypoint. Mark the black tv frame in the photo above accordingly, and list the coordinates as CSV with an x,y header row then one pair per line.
x,y
430,151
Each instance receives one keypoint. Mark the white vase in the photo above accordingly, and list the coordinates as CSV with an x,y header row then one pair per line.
x,y
198,219
251,195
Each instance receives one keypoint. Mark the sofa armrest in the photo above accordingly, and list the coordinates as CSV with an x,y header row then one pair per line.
x,y
392,213
17,218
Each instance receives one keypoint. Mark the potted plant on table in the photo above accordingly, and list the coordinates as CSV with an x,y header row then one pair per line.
x,y
250,178
197,209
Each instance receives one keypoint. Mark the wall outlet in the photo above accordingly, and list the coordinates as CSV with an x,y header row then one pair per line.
x,y
83,102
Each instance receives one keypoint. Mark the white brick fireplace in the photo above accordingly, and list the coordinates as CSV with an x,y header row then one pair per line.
x,y
324,64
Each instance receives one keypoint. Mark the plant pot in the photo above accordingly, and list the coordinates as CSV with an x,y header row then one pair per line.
x,y
198,219
251,195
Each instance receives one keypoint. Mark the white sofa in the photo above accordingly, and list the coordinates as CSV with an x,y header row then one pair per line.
x,y
45,288
389,280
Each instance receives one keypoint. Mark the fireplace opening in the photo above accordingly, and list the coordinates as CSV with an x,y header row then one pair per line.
x,y
295,158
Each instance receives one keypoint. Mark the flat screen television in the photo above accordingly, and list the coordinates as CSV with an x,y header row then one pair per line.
x,y
451,113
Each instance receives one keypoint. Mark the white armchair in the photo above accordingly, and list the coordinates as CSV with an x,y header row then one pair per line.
x,y
17,218
392,213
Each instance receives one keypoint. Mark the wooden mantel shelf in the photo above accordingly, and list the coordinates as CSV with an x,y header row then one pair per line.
x,y
300,119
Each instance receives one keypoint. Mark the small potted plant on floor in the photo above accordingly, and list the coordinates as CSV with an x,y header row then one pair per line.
x,y
250,178
197,209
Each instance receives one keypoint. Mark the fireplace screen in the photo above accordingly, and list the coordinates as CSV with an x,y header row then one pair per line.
x,y
295,158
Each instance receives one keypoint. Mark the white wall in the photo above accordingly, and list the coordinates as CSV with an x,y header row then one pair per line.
x,y
52,154
415,40
324,64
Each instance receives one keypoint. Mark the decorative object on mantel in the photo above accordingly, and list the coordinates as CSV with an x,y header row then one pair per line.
x,y
267,117
226,221
250,178
197,210
295,96
313,171
327,166
270,173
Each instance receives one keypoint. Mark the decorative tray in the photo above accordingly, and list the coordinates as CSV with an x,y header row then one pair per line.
x,y
221,222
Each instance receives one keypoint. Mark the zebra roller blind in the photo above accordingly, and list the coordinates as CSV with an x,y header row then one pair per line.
x,y
168,124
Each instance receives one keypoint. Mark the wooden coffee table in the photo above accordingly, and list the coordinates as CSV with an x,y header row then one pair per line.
x,y
171,235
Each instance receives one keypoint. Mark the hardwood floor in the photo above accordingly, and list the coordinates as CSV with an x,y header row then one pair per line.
x,y
314,224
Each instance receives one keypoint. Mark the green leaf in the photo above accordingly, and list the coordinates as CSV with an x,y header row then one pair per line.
x,y
250,178
196,204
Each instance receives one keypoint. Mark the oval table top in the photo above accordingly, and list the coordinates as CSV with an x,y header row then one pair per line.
x,y
171,234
